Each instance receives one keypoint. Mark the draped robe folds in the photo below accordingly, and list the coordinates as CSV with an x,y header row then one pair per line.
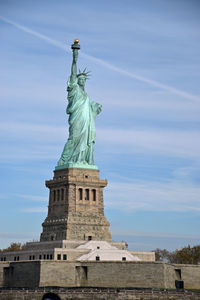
x,y
82,112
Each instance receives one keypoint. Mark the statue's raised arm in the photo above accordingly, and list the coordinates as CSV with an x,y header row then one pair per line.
x,y
75,48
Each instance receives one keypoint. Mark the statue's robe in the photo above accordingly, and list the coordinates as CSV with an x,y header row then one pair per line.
x,y
82,112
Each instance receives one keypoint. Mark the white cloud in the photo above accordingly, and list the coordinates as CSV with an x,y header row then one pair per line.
x,y
153,196
157,103
32,198
167,142
34,210
14,235
35,33
186,173
40,144
124,232
147,241
6,238
30,130
106,64
144,79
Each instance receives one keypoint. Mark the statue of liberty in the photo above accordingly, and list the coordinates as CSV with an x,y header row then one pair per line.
x,y
79,149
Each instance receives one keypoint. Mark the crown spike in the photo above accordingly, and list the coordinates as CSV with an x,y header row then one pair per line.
x,y
84,73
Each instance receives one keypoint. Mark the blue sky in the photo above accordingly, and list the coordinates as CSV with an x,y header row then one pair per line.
x,y
144,58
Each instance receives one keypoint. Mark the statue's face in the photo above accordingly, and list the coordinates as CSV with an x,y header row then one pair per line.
x,y
81,80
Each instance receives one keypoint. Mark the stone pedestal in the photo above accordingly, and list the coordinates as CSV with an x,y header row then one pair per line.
x,y
76,207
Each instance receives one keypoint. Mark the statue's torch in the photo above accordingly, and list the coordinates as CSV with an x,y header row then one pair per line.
x,y
76,45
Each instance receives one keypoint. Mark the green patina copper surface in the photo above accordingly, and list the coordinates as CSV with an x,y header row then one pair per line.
x,y
78,152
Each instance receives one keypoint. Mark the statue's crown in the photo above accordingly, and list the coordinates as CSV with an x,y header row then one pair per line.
x,y
84,73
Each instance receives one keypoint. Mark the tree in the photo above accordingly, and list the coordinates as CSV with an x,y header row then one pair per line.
x,y
14,247
162,255
186,255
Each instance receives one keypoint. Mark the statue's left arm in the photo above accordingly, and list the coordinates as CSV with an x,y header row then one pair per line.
x,y
96,108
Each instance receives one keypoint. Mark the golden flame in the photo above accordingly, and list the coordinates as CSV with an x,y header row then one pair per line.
x,y
76,41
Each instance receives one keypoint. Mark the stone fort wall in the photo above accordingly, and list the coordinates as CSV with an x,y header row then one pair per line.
x,y
108,274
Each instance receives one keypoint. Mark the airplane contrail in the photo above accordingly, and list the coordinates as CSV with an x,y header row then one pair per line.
x,y
104,63
35,33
